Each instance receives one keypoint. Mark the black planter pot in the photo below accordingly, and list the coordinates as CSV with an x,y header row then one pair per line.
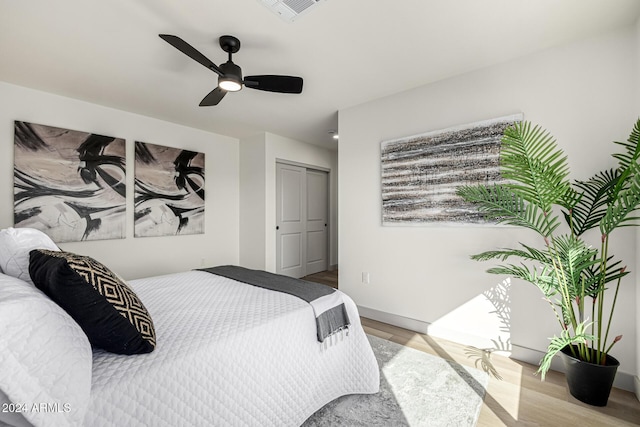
x,y
588,382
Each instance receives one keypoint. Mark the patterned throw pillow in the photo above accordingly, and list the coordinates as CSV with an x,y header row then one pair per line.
x,y
105,307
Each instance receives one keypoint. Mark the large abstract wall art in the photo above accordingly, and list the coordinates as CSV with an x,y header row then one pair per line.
x,y
69,184
169,191
420,173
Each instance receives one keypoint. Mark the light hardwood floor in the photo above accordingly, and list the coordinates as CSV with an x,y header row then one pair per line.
x,y
515,396
329,278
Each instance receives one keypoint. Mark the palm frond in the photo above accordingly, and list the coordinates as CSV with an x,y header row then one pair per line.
x,y
627,201
529,253
558,343
574,259
594,279
501,204
543,278
569,200
595,195
628,160
530,158
632,148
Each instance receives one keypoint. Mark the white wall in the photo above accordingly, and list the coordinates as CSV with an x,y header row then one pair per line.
x,y
252,202
134,257
581,93
258,188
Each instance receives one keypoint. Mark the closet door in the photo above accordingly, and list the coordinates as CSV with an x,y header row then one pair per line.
x,y
291,245
316,227
302,202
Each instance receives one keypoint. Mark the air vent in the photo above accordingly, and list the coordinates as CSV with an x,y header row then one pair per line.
x,y
290,10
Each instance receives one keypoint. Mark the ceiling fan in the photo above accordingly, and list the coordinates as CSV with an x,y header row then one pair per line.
x,y
230,75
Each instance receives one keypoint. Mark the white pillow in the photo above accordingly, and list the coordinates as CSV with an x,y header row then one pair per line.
x,y
15,245
45,357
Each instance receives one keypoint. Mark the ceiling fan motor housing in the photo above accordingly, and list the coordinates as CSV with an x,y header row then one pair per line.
x,y
232,72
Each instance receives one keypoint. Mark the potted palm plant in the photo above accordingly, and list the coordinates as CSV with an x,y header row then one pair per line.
x,y
580,282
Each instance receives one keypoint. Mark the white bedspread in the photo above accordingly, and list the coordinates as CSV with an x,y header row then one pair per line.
x,y
228,354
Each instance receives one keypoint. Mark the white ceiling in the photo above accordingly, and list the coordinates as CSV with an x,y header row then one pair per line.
x,y
347,51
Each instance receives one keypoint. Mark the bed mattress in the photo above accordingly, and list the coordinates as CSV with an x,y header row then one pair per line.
x,y
228,354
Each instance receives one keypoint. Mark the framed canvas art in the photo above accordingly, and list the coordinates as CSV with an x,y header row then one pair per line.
x,y
69,184
169,191
420,173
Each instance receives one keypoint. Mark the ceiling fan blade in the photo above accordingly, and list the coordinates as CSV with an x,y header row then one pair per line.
x,y
191,52
271,83
213,98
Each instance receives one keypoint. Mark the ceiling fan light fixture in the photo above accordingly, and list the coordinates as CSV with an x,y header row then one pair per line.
x,y
231,80
229,83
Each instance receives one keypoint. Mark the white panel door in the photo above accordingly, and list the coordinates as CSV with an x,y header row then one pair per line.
x,y
316,227
291,245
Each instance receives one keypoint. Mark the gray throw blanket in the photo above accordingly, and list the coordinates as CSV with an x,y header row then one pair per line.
x,y
331,314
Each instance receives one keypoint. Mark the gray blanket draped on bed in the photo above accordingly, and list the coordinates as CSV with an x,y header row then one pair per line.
x,y
331,314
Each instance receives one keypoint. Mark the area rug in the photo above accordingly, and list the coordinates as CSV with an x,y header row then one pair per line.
x,y
416,389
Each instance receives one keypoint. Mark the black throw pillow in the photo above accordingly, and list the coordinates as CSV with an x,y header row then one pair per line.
x,y
105,307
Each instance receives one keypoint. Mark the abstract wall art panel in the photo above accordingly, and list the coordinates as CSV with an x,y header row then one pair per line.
x,y
420,173
169,191
69,184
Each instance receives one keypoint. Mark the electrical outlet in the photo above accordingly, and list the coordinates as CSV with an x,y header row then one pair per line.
x,y
365,277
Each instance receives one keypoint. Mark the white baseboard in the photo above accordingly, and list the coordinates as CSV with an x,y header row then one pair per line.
x,y
333,267
624,381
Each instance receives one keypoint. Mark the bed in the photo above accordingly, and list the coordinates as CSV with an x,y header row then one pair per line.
x,y
227,353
